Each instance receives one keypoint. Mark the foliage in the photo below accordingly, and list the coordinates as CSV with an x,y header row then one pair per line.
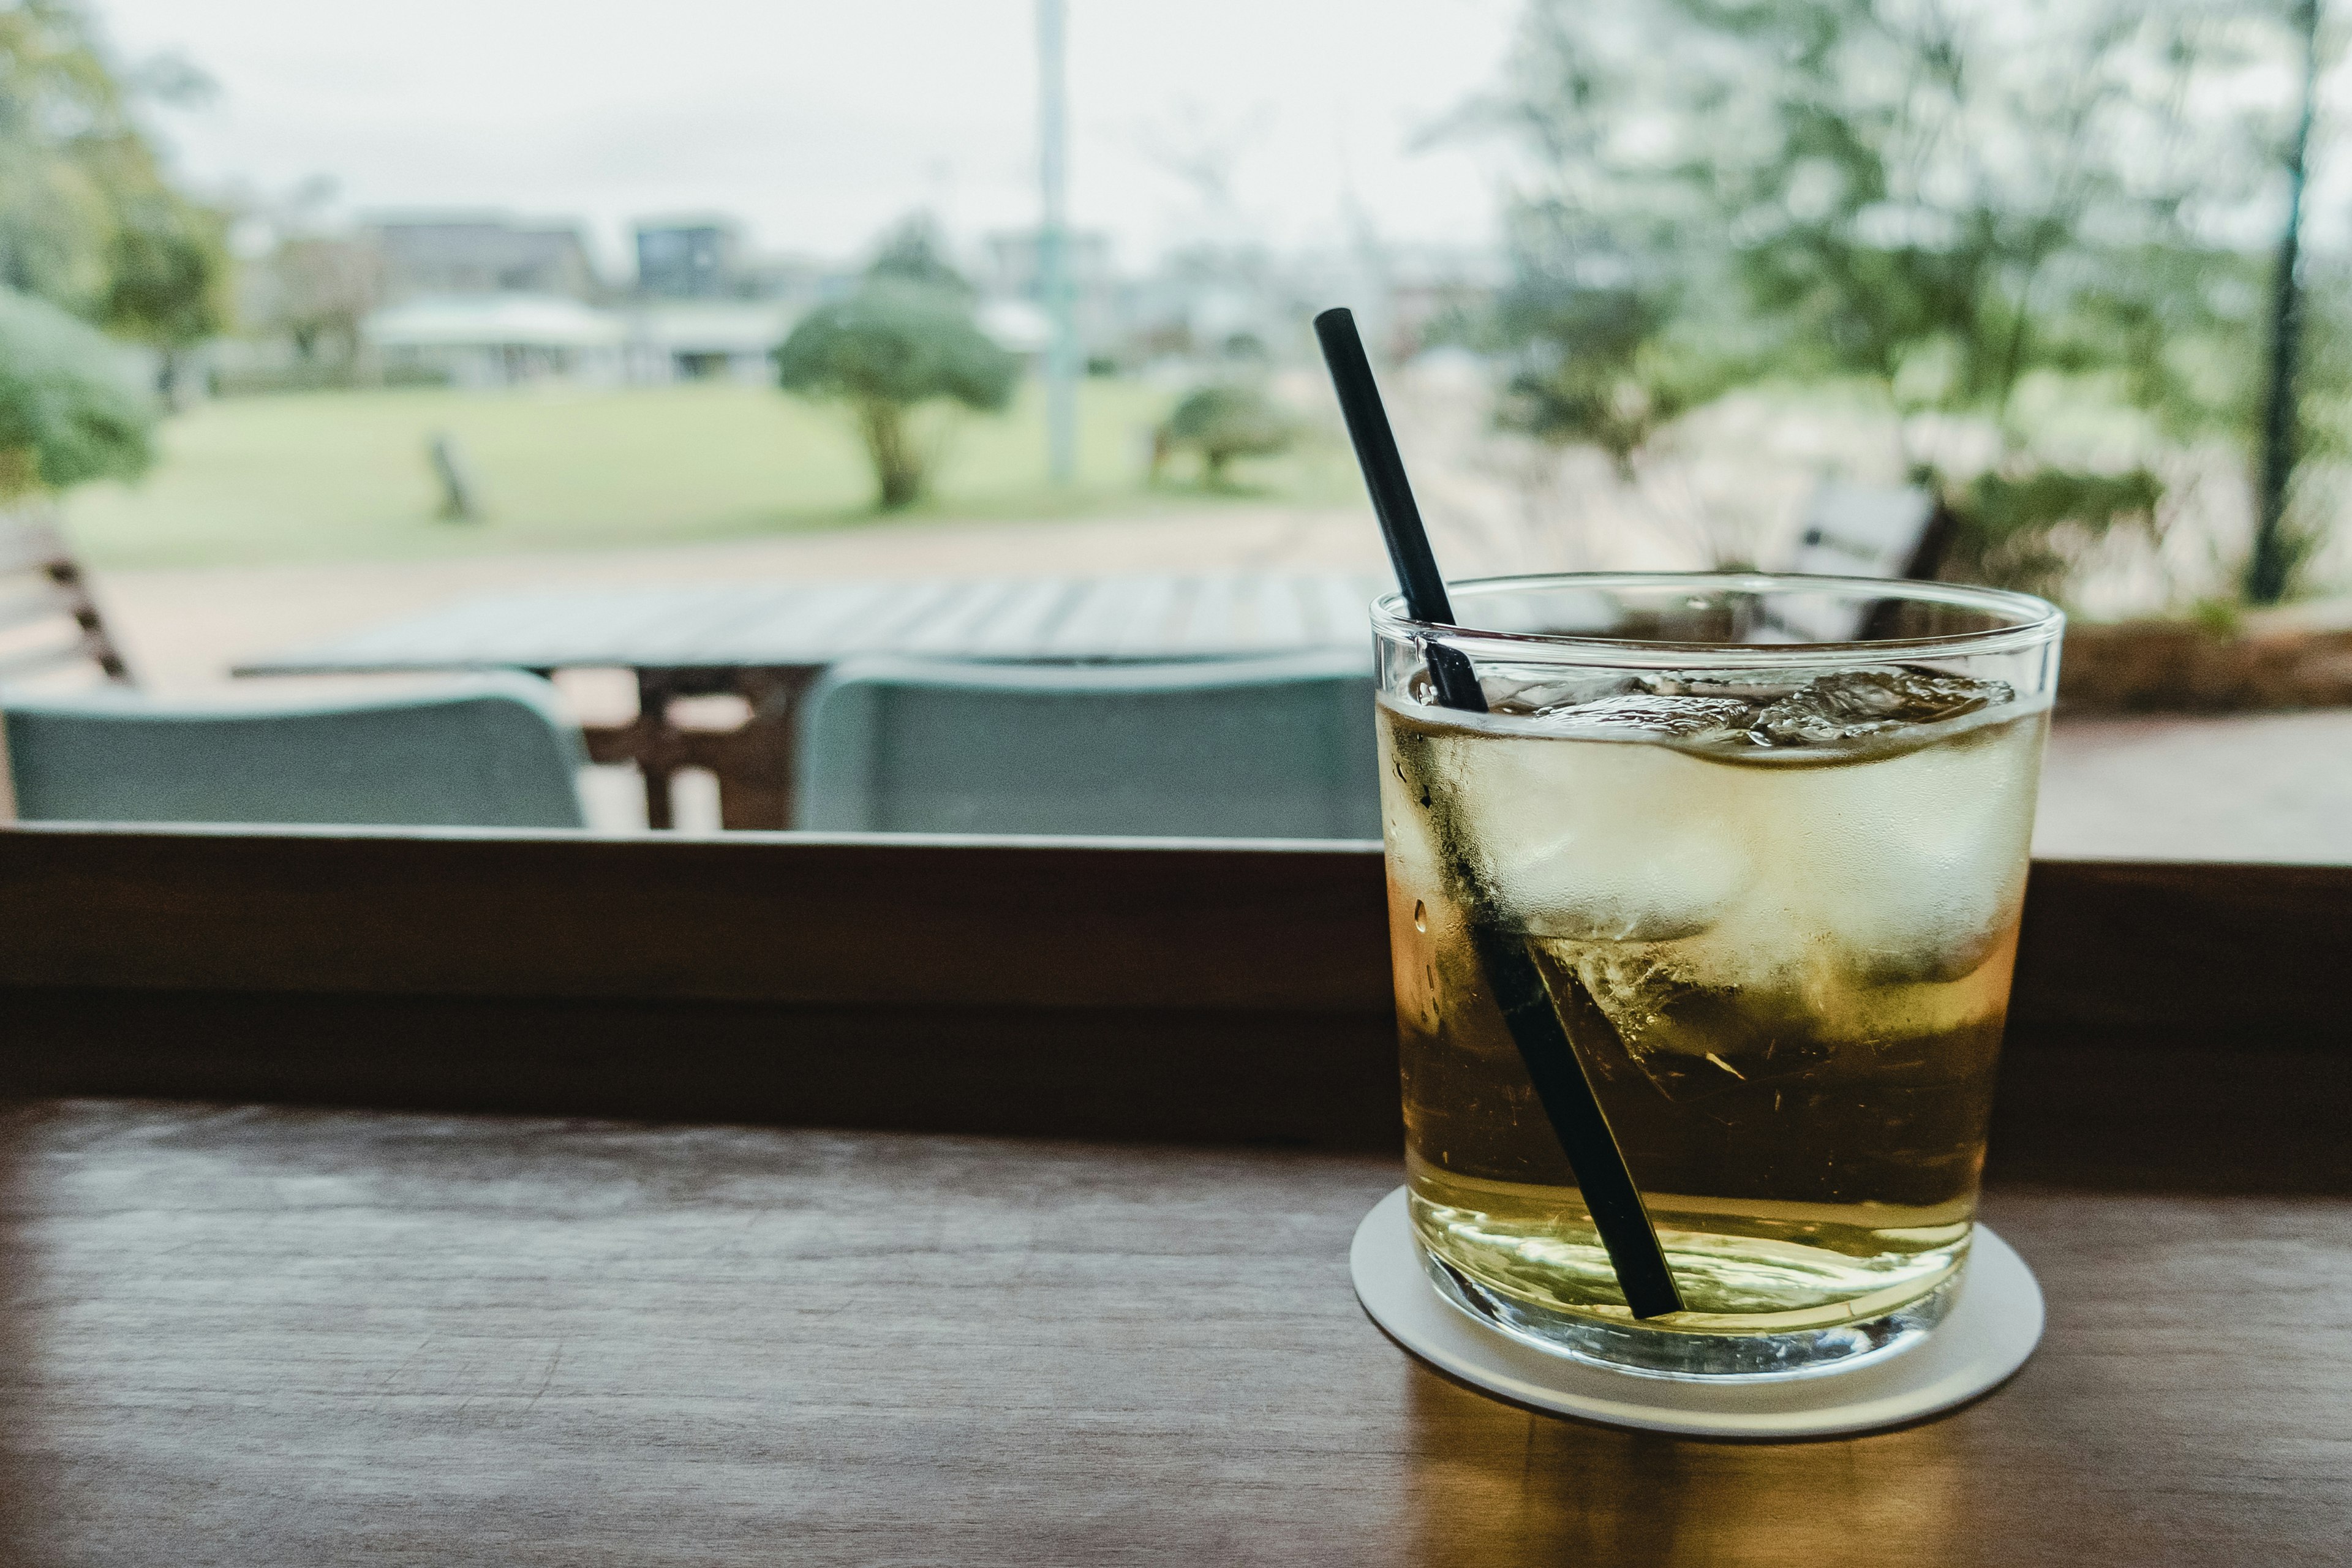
x,y
1595,366
2030,531
1949,203
66,415
170,273
890,348
2322,438
88,219
916,253
317,290
1222,422
1603,321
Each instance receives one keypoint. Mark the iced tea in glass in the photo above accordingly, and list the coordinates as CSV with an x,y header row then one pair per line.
x,y
1766,840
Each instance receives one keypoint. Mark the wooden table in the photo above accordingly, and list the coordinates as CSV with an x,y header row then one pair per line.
x,y
1058,1298
264,1336
765,642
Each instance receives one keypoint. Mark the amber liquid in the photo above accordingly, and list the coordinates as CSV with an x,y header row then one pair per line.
x,y
1801,966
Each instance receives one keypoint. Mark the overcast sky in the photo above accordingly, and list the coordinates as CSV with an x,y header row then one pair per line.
x,y
819,124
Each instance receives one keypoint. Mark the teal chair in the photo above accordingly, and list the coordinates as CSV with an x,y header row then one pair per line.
x,y
487,751
1265,749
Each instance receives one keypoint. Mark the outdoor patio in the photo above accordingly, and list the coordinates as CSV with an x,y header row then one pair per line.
x,y
708,852
2267,786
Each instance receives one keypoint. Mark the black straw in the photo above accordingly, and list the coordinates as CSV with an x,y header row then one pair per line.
x,y
1529,1010
1425,598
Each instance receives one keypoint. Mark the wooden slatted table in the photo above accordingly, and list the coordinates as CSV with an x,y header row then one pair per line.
x,y
765,642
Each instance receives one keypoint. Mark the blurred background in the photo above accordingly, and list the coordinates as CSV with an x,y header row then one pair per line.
x,y
320,315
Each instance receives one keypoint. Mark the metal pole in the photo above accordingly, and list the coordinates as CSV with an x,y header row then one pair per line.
x,y
2273,559
1052,251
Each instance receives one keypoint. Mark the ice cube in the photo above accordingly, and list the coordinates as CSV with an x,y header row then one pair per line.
x,y
1596,887
1757,687
1645,714
1849,704
1690,1039
1916,861
1509,692
1598,841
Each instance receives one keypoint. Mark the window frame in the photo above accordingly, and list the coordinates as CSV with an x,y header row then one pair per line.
x,y
1211,990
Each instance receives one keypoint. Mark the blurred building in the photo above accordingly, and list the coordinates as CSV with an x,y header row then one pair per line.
x,y
798,280
482,254
1012,264
692,258
708,308
1432,294
1013,293
498,340
707,340
709,259
1223,304
1214,304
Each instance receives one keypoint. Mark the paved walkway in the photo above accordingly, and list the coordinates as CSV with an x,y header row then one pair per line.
x,y
2256,787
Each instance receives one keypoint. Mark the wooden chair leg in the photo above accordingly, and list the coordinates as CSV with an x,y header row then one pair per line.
x,y
657,756
755,763
657,799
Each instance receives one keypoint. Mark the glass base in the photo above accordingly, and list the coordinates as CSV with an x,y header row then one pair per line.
x,y
1712,1358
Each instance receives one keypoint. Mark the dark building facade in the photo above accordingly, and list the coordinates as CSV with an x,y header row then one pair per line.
x,y
692,260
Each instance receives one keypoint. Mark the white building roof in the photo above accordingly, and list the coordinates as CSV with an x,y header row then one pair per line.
x,y
1016,325
493,321
711,326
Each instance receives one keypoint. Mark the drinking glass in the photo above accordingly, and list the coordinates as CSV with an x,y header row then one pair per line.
x,y
1765,838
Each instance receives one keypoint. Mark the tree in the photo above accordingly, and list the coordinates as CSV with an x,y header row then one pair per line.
x,y
1223,422
2277,551
916,253
1595,365
68,415
88,219
170,279
1950,203
317,290
886,350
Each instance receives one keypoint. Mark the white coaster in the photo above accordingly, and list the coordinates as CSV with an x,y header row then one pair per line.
x,y
1993,1325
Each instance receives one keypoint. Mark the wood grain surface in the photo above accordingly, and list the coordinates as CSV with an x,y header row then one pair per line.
x,y
267,1337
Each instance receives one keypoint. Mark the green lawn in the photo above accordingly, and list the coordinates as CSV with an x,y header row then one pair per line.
x,y
344,475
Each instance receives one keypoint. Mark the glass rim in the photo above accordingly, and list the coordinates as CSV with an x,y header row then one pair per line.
x,y
2036,620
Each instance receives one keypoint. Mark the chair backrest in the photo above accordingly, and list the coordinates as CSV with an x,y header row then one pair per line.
x,y
49,622
1262,749
1858,530
1854,530
485,751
